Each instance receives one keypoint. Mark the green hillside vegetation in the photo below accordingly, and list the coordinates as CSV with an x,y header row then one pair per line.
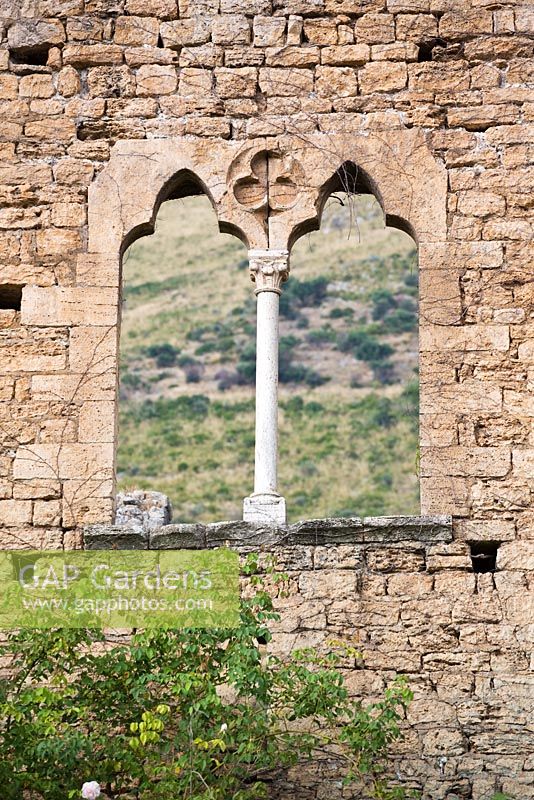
x,y
348,367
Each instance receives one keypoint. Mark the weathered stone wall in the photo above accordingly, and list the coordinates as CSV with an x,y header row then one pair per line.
x,y
406,594
406,88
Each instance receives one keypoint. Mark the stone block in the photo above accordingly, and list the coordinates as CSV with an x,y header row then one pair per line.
x,y
347,55
62,130
517,555
375,28
269,31
97,422
161,9
486,530
182,32
278,81
154,79
321,31
63,461
461,461
15,512
136,31
110,537
56,305
111,82
230,29
465,338
236,82
336,82
91,55
68,215
195,81
382,76
85,29
30,34
292,56
179,537
47,513
74,387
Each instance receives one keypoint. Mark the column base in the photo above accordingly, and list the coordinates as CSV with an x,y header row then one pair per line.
x,y
270,509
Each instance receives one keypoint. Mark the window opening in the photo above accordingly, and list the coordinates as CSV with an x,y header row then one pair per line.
x,y
10,296
349,366
484,556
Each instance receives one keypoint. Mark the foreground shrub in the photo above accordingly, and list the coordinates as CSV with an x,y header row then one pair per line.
x,y
189,714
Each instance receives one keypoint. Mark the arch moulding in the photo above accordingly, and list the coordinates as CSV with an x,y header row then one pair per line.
x,y
268,192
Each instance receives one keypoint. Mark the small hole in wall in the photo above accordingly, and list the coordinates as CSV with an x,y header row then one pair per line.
x,y
426,48
10,296
36,56
484,556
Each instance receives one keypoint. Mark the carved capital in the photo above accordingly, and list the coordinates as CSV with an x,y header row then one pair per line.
x,y
269,269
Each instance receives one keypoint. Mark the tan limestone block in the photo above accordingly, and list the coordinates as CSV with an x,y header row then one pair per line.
x,y
321,31
416,27
8,87
396,51
31,538
93,349
63,461
465,337
468,396
47,512
351,55
236,83
464,24
91,55
73,171
206,55
508,229
69,305
285,82
494,48
162,9
436,77
208,126
465,461
97,422
111,82
61,130
182,32
336,82
307,56
480,118
136,31
269,31
15,512
88,109
440,297
154,79
245,7
230,29
375,28
57,241
523,463
242,56
484,530
379,76
37,490
88,511
58,430
295,25
31,33
137,56
68,215
470,255
193,81
85,29
411,584
438,429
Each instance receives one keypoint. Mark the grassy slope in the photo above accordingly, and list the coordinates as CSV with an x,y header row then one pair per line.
x,y
343,450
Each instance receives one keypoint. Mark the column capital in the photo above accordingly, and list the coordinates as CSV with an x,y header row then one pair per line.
x,y
269,269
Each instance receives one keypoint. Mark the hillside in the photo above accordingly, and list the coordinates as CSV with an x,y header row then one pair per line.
x,y
348,362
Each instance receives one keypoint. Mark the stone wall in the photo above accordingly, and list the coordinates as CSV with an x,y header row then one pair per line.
x,y
430,104
405,593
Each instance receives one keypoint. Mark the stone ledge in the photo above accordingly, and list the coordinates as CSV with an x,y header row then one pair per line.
x,y
248,536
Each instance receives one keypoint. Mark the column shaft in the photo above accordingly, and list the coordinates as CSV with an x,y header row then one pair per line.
x,y
266,460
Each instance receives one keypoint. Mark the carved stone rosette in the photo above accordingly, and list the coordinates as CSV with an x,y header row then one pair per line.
x,y
269,269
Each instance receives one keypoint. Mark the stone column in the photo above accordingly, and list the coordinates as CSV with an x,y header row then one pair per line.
x,y
268,269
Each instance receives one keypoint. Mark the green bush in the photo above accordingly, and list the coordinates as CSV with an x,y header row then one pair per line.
x,y
165,354
299,294
365,346
149,719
